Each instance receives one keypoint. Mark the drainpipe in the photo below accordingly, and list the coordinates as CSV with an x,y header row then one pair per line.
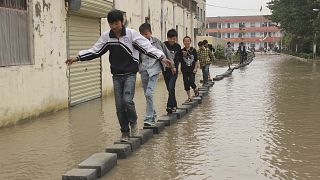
x,y
143,7
116,4
185,20
163,14
174,15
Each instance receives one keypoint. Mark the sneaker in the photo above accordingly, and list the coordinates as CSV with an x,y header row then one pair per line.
x,y
149,122
124,137
134,129
169,110
155,118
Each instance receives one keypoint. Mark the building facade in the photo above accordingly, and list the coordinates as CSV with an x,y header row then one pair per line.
x,y
255,31
39,35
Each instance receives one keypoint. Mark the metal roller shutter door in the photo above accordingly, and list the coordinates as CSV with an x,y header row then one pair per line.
x,y
84,77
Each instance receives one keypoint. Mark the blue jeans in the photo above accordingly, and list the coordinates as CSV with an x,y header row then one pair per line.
x,y
124,89
170,81
205,73
149,84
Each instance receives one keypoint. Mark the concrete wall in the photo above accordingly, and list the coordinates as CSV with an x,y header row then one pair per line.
x,y
29,90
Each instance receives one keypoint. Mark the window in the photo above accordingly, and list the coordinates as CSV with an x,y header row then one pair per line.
x,y
242,25
252,45
253,34
228,25
228,35
253,24
14,4
219,26
213,25
232,35
14,36
198,13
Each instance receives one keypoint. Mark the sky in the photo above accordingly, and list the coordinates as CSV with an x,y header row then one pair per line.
x,y
236,7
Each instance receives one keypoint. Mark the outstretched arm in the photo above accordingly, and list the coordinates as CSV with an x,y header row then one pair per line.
x,y
97,50
143,45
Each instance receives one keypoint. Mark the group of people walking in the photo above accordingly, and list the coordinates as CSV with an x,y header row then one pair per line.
x,y
132,52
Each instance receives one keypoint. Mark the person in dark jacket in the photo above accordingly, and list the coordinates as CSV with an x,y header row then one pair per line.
x,y
124,45
243,52
209,46
170,78
189,67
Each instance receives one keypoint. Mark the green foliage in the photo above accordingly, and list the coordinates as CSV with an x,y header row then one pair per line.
x,y
219,54
299,22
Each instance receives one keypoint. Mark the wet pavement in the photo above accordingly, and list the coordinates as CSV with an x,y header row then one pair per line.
x,y
260,123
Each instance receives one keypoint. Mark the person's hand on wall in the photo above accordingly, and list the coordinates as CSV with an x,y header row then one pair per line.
x,y
71,60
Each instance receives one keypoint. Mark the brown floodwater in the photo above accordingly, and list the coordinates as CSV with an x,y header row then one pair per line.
x,y
263,122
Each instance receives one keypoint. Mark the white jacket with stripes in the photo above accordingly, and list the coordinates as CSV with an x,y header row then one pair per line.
x,y
124,52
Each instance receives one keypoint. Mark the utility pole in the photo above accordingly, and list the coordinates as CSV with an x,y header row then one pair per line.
x,y
314,50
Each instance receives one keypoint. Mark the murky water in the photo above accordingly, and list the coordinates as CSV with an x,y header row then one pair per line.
x,y
263,122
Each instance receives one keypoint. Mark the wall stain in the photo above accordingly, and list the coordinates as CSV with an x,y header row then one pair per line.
x,y
46,5
38,9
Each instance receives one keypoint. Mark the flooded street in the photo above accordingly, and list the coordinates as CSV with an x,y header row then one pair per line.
x,y
263,122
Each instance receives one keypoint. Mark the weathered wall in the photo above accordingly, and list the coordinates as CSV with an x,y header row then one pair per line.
x,y
29,90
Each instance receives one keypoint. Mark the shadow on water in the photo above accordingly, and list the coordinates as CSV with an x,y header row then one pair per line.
x,y
260,123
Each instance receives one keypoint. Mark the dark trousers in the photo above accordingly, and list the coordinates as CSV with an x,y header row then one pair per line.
x,y
243,57
188,80
170,81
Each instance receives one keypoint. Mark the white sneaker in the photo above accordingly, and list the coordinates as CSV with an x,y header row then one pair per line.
x,y
124,137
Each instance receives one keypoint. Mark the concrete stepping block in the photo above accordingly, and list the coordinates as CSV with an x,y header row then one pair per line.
x,y
192,103
168,119
180,113
204,93
218,78
144,135
102,162
209,85
157,128
135,143
122,150
80,174
188,108
198,99
203,88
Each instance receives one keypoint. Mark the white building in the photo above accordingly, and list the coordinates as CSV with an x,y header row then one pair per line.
x,y
39,35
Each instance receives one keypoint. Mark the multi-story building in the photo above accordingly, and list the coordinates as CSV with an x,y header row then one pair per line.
x,y
200,29
255,31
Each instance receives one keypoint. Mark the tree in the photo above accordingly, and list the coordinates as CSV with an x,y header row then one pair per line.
x,y
297,19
